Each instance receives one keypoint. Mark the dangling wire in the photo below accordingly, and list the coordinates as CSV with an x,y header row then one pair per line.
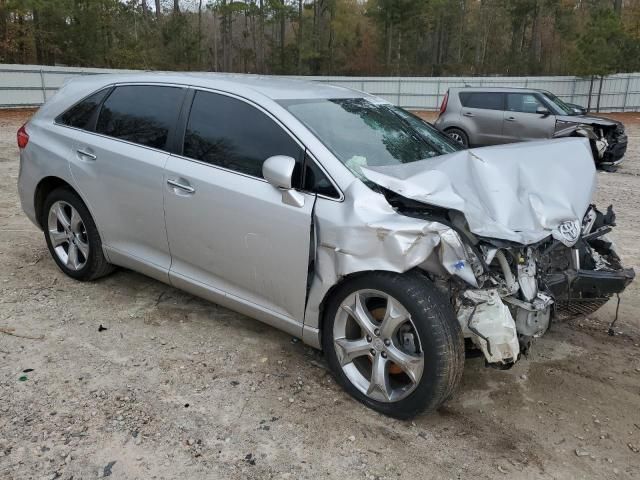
x,y
611,332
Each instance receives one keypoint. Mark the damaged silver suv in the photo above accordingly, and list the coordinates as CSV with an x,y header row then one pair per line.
x,y
324,212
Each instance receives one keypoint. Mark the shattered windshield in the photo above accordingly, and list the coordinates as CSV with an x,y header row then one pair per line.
x,y
361,133
563,108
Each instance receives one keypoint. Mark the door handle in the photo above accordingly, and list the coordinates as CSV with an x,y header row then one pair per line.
x,y
181,186
86,154
468,114
510,119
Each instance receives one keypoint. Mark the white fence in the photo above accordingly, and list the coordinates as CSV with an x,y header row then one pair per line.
x,y
31,85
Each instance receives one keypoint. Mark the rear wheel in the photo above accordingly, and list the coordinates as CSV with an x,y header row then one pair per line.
x,y
72,236
393,343
458,136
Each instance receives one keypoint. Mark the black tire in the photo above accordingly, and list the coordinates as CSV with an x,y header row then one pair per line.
x,y
459,136
96,265
438,330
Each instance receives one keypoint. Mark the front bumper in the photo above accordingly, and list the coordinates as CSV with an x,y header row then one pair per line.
x,y
582,292
615,152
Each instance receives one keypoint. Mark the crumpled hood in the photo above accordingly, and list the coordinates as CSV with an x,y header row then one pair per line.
x,y
588,119
519,192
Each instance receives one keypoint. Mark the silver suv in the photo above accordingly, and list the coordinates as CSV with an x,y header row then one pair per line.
x,y
327,213
491,116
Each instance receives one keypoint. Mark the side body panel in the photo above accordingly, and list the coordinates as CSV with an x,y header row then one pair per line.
x,y
234,234
521,126
46,155
123,186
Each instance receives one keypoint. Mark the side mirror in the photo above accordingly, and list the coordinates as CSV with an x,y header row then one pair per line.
x,y
278,171
542,111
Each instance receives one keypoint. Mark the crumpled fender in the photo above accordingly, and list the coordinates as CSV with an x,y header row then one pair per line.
x,y
364,233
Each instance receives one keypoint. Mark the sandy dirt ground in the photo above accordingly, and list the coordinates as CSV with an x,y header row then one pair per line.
x,y
176,387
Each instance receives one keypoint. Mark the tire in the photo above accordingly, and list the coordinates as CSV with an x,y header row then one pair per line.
x,y
459,136
440,342
83,234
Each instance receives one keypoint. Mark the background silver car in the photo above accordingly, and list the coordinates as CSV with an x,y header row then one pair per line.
x,y
304,206
492,116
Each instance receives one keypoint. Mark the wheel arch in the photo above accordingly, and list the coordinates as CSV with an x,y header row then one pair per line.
x,y
47,185
42,191
419,274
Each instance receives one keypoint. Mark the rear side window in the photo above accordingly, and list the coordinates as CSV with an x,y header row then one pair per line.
x,y
82,114
141,114
484,100
230,133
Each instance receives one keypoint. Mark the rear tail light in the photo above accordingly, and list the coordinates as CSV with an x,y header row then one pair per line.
x,y
23,137
443,107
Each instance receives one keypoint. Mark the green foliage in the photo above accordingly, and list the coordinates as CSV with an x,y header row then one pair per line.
x,y
350,37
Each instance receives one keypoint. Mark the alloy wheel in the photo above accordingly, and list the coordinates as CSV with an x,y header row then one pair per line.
x,y
68,235
456,137
377,345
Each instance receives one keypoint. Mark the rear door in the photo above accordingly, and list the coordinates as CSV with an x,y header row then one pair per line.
x,y
119,169
482,116
229,229
521,120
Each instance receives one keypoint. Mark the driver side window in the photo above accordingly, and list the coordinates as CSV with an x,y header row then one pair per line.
x,y
523,102
230,133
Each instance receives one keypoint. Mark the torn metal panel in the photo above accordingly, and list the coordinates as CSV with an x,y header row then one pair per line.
x,y
365,233
518,192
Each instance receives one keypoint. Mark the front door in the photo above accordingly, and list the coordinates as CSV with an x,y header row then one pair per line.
x,y
228,228
522,120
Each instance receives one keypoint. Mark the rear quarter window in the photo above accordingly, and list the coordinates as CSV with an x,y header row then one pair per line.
x,y
484,100
142,114
83,114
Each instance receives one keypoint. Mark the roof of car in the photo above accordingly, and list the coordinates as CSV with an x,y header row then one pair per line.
x,y
275,88
498,89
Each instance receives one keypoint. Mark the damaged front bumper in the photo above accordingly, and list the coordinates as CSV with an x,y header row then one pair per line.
x,y
530,286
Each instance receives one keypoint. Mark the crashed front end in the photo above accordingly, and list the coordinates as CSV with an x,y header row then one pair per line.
x,y
607,138
513,253
522,288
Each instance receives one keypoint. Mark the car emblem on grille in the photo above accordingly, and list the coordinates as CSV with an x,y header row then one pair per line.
x,y
569,231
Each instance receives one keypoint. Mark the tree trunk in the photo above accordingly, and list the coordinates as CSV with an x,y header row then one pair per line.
x,y
230,56
176,6
399,52
283,26
215,41
158,9
389,29
37,32
254,38
599,93
261,63
145,8
223,34
199,33
617,6
300,37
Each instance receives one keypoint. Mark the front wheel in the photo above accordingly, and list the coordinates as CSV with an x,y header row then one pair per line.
x,y
393,342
